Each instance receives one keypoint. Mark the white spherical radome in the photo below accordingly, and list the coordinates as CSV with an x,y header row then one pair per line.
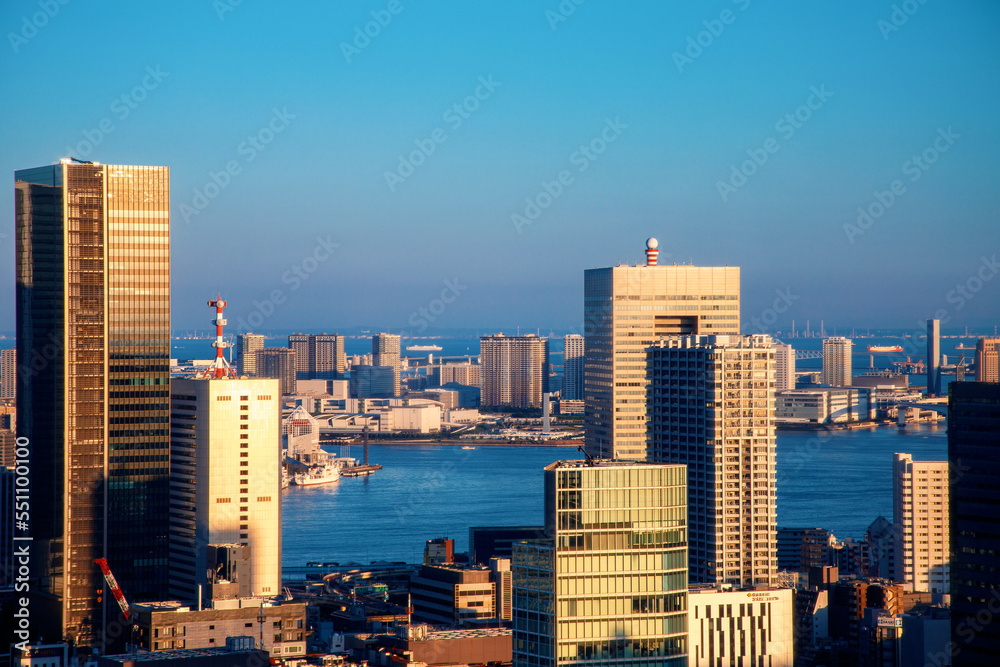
x,y
652,243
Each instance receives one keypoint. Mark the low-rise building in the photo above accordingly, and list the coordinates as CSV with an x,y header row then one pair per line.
x,y
237,651
824,405
453,595
748,626
176,625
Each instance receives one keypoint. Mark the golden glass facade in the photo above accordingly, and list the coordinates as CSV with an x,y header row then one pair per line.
x,y
93,311
610,584
626,309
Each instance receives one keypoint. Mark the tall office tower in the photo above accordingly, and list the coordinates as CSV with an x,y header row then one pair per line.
x,y
225,479
327,359
93,338
246,353
920,515
573,360
514,370
988,360
784,367
278,363
711,407
933,357
609,583
371,381
973,424
8,373
626,309
385,352
300,344
837,361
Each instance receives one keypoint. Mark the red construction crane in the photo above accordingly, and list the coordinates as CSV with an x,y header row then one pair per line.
x,y
113,585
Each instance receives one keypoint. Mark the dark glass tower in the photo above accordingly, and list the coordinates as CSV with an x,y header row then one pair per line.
x,y
93,352
974,458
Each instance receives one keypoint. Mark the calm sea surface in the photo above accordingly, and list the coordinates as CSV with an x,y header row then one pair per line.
x,y
842,482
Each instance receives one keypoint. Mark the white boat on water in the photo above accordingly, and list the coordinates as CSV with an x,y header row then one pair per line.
x,y
317,475
468,447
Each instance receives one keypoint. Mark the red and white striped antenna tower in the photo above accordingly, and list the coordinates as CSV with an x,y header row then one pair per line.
x,y
652,250
221,367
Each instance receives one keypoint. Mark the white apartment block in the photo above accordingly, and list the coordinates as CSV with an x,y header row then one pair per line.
x,y
920,517
837,361
784,367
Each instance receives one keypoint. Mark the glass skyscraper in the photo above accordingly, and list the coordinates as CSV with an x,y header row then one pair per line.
x,y
93,347
609,584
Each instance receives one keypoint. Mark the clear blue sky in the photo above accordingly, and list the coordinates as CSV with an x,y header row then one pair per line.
x,y
879,94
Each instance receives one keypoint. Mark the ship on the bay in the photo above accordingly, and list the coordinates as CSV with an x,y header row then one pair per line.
x,y
423,348
885,348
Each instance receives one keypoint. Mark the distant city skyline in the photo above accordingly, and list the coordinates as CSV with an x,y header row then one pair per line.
x,y
843,160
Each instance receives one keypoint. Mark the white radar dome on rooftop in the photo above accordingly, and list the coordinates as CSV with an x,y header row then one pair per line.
x,y
652,243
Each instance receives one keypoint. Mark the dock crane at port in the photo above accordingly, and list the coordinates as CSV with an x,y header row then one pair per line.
x,y
119,596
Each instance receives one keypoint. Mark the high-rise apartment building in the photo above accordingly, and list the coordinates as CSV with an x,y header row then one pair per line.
x,y
278,363
973,425
573,361
920,517
246,353
300,344
385,352
8,373
933,357
514,370
225,479
318,356
609,583
93,338
626,309
711,407
837,361
784,367
988,359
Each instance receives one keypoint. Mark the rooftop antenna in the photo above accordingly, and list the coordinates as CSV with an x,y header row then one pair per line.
x,y
221,368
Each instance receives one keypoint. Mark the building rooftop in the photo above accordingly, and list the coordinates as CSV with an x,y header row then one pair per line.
x,y
172,654
603,463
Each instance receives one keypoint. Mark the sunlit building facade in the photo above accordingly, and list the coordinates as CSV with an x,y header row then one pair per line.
x,y
573,361
609,584
225,479
837,361
626,309
711,407
920,516
246,353
515,370
93,334
385,352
